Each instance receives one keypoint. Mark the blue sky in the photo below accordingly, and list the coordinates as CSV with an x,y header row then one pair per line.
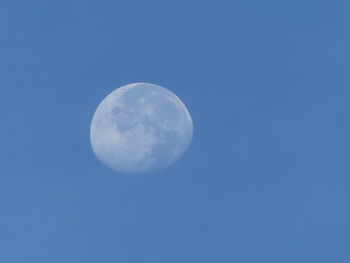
x,y
266,178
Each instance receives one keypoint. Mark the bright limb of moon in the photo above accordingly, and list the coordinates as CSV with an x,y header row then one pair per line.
x,y
139,128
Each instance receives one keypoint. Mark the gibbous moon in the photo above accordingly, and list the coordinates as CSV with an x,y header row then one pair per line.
x,y
140,127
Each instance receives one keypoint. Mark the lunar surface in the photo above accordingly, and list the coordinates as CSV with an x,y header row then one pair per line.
x,y
140,127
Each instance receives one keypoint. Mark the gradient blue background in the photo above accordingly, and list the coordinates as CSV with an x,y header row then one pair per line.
x,y
267,176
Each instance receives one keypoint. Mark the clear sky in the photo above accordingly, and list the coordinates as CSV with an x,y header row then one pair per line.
x,y
267,176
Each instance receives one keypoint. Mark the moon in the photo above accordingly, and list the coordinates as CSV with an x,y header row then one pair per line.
x,y
140,127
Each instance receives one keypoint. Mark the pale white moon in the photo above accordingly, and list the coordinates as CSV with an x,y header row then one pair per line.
x,y
139,128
